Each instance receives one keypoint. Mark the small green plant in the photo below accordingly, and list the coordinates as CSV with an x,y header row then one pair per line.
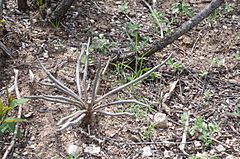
x,y
123,7
128,73
207,95
203,73
70,157
212,18
101,45
205,130
39,3
228,8
159,20
182,9
238,35
148,132
7,124
236,111
237,57
55,23
174,65
216,62
136,43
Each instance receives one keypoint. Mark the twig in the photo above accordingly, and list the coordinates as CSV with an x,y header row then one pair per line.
x,y
184,136
105,68
5,156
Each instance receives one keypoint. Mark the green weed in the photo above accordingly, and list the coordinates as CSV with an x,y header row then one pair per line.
x,y
136,43
39,3
159,20
215,62
228,8
203,73
205,130
148,132
236,111
123,7
175,65
181,9
127,73
207,95
237,57
101,45
212,18
7,124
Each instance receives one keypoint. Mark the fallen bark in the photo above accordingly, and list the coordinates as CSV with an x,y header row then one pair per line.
x,y
184,28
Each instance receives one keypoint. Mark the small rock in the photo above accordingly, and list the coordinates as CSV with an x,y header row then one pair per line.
x,y
92,149
161,120
147,152
197,143
73,150
220,148
187,40
168,154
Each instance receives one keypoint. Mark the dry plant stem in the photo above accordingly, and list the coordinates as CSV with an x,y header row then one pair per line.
x,y
58,99
105,68
85,72
78,72
184,136
5,156
133,81
115,114
70,123
62,120
119,102
59,85
95,84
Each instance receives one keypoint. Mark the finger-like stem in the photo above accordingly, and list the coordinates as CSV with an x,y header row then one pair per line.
x,y
119,102
85,72
115,114
63,120
78,72
67,124
133,81
59,85
57,100
96,83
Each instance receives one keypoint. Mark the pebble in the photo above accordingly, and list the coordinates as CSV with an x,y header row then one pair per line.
x,y
73,150
147,152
